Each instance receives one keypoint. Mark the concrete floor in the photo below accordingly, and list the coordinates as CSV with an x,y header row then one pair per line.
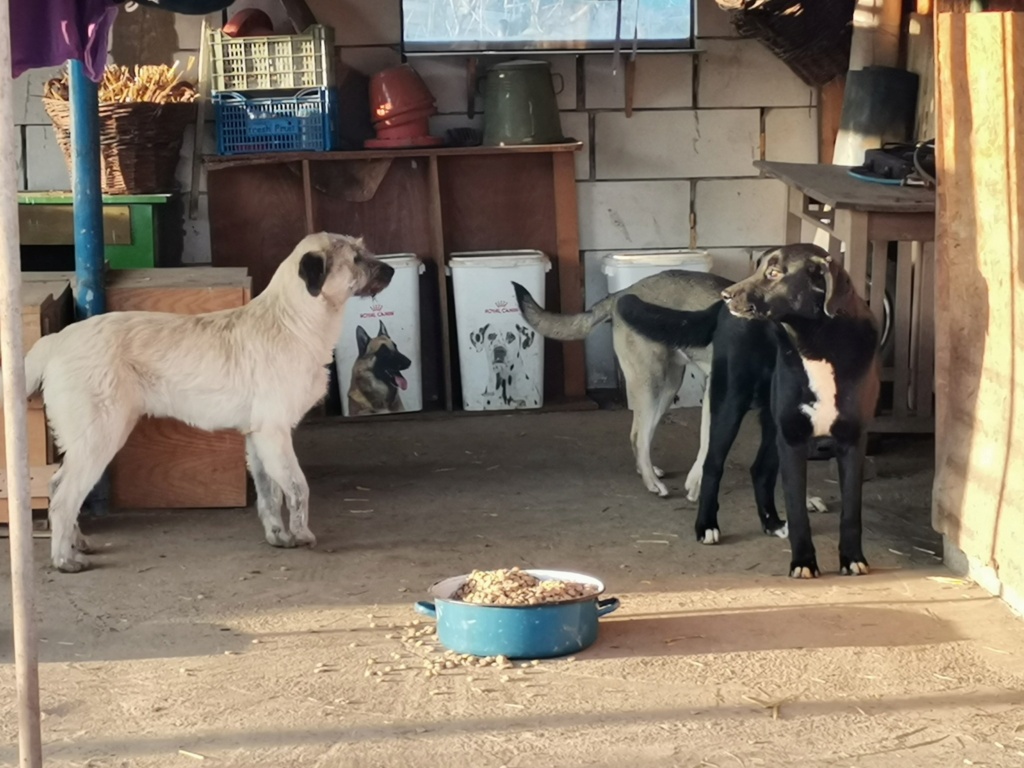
x,y
194,642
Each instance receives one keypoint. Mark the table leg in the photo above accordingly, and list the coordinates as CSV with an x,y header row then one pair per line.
x,y
852,228
835,248
794,208
901,329
879,259
925,359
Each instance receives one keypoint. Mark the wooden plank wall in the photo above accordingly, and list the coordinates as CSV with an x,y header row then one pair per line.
x,y
978,500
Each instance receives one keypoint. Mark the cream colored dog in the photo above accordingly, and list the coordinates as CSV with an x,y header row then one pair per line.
x,y
257,369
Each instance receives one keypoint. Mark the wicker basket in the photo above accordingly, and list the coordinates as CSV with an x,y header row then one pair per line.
x,y
812,38
139,143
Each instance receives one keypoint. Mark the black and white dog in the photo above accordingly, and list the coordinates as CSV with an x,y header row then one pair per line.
x,y
797,341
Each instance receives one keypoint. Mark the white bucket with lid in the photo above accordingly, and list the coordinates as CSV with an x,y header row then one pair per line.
x,y
378,354
625,269
501,358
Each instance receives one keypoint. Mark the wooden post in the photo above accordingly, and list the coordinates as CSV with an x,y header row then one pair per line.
x,y
440,263
830,110
978,499
876,34
570,275
26,646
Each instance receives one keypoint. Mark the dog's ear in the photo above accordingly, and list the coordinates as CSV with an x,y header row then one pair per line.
x,y
837,284
527,334
760,259
383,331
362,340
313,271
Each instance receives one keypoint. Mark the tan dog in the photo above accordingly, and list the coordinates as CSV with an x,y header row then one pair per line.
x,y
256,369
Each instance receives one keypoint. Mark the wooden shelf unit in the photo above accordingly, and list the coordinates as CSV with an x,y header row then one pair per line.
x,y
431,202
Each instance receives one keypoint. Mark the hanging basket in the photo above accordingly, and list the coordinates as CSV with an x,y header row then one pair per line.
x,y
811,38
139,143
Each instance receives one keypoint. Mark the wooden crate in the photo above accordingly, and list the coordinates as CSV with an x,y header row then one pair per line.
x,y
39,478
46,308
167,464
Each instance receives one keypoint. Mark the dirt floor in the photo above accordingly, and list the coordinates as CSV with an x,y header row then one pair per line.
x,y
193,642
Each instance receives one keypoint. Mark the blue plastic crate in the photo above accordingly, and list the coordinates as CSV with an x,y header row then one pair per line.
x,y
304,122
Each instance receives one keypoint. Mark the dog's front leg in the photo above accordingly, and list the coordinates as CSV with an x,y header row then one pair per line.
x,y
850,459
275,451
696,473
764,472
793,461
269,497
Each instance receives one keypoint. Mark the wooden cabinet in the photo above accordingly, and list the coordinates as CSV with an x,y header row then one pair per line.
x,y
430,202
166,464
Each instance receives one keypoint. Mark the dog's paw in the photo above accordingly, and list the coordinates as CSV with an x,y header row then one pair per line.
x,y
816,504
853,566
709,536
305,537
693,483
277,537
781,530
71,564
658,471
656,487
804,569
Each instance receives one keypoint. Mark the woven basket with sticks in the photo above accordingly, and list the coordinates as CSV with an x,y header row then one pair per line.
x,y
142,120
812,37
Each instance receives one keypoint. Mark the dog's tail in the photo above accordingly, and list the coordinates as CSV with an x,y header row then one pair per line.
x,y
35,364
672,327
562,327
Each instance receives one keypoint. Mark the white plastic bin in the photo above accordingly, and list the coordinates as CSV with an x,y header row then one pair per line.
x,y
624,269
500,356
378,354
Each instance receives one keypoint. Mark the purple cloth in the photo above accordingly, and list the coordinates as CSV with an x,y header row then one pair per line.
x,y
46,33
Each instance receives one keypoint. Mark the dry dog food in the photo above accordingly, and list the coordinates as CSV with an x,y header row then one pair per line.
x,y
512,586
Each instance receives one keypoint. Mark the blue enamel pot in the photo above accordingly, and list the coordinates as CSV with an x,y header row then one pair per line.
x,y
518,632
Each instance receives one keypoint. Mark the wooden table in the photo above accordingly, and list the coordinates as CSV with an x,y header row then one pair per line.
x,y
431,202
861,219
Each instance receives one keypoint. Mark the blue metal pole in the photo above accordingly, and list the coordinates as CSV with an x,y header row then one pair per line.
x,y
90,295
87,194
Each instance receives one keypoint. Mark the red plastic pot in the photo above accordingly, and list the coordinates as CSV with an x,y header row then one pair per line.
x,y
415,115
412,130
397,90
419,141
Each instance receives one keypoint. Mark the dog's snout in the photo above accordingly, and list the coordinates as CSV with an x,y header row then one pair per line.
x,y
378,279
727,295
499,354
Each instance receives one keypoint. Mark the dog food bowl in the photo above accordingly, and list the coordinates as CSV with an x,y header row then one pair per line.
x,y
517,632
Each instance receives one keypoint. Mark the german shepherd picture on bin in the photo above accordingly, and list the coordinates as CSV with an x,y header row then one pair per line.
x,y
377,380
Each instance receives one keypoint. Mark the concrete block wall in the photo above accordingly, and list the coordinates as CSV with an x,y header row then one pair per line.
x,y
677,173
